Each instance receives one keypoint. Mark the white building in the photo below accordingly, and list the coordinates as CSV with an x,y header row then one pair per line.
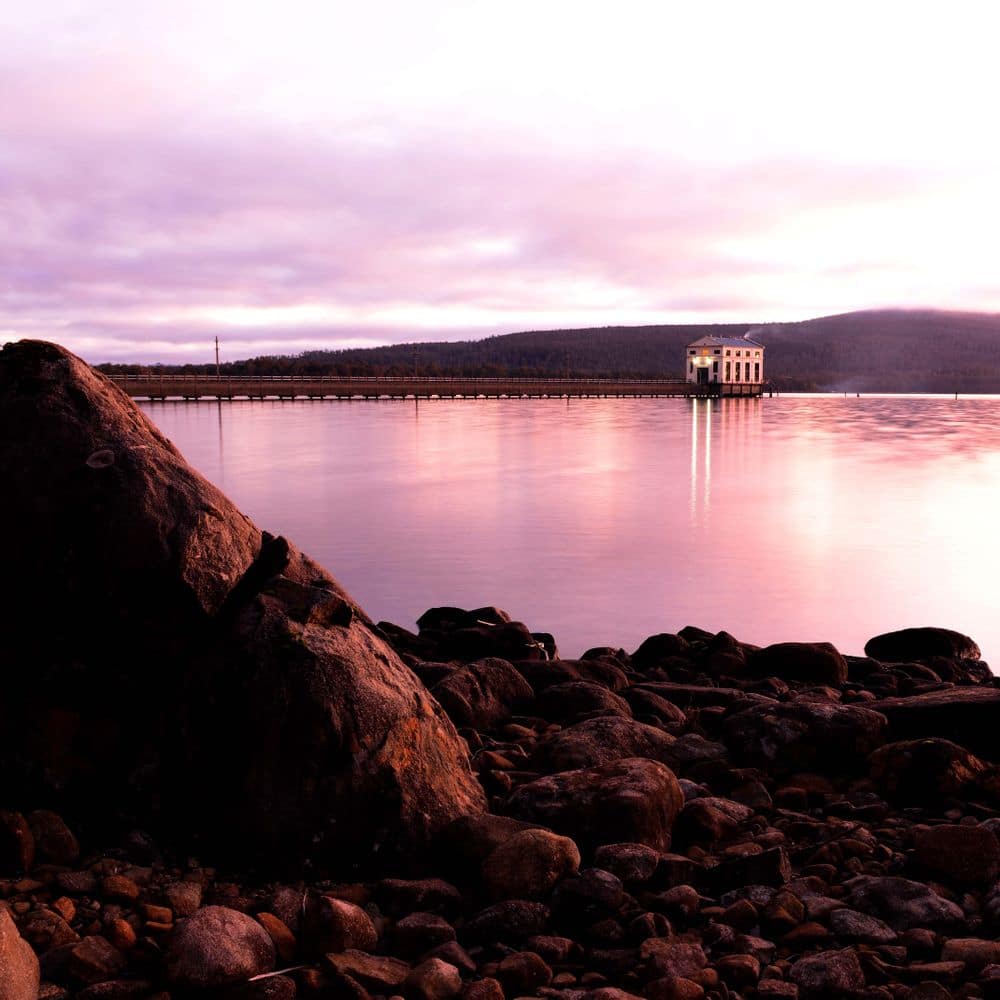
x,y
725,361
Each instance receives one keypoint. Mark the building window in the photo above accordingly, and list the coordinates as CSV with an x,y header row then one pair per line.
x,y
691,352
746,375
716,351
737,372
691,366
756,354
715,367
728,353
729,371
756,371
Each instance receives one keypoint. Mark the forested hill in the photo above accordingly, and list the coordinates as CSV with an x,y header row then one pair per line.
x,y
884,350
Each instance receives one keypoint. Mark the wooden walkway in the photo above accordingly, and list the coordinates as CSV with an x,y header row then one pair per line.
x,y
415,387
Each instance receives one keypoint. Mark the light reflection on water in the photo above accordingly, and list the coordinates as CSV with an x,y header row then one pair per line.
x,y
604,521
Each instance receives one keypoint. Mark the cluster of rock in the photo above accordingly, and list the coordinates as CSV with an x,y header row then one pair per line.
x,y
453,814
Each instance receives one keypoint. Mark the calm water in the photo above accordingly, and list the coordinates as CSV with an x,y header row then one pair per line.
x,y
604,521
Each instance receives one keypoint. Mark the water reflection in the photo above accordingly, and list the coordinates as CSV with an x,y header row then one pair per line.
x,y
604,521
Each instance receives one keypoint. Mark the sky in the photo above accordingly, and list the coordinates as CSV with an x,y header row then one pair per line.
x,y
315,173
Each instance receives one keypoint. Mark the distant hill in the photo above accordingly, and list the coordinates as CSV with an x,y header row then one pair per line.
x,y
891,350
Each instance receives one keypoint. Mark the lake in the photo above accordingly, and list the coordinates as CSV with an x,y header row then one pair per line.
x,y
604,521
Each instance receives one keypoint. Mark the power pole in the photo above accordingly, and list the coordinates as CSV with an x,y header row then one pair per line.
x,y
216,357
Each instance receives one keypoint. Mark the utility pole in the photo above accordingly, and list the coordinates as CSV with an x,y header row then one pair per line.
x,y
216,357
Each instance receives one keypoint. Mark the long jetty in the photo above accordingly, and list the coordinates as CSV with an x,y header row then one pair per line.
x,y
413,387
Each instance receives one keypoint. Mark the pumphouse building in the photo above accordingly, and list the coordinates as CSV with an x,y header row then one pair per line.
x,y
728,366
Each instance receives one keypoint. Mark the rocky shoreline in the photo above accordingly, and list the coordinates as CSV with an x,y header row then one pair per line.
x,y
222,779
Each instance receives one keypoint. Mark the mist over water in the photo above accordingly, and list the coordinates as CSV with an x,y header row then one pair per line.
x,y
605,521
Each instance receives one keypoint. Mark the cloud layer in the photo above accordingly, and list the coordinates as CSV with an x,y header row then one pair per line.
x,y
145,213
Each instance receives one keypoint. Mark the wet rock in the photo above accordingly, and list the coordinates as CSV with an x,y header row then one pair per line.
x,y
817,662
483,694
829,974
19,973
217,946
325,720
921,644
601,741
529,864
632,798
803,735
903,903
433,980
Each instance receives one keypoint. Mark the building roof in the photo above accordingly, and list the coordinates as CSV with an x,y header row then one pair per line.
x,y
724,342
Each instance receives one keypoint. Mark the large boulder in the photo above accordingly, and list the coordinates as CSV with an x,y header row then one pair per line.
x,y
965,715
803,735
632,799
165,659
19,972
902,903
216,947
814,662
926,772
921,644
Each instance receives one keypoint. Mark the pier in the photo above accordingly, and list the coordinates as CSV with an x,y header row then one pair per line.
x,y
415,387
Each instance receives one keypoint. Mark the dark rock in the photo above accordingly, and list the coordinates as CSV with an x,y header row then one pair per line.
x,y
528,865
95,960
968,855
281,707
54,841
217,946
378,972
417,933
510,921
803,735
829,974
646,704
709,819
522,973
902,903
816,662
850,925
965,715
921,644
632,798
19,972
336,925
658,648
483,694
483,989
433,979
601,741
633,863
924,772
679,959
406,895
17,845
577,700
770,867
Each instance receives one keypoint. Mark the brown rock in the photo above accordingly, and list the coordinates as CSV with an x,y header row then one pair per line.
x,y
674,988
828,974
634,799
817,662
924,771
381,973
678,959
601,741
95,960
968,855
433,980
217,946
921,644
119,888
528,865
17,845
523,973
115,528
19,975
336,925
121,934
483,694
280,935
54,840
483,989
